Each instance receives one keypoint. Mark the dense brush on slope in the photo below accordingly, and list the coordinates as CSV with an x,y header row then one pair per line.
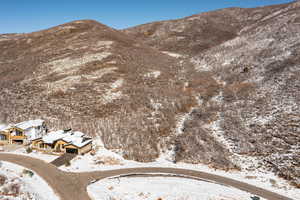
x,y
256,110
197,33
232,92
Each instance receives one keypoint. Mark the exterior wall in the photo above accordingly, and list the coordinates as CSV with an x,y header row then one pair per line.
x,y
41,146
85,149
36,144
59,146
49,148
16,137
6,141
3,142
35,132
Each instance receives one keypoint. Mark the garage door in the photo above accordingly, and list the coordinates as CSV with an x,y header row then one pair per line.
x,y
75,151
17,141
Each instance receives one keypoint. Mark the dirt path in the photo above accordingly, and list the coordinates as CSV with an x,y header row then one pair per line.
x,y
73,185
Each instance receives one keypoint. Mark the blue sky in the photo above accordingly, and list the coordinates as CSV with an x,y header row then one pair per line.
x,y
19,16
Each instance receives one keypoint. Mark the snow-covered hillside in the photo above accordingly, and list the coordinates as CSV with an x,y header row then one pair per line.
x,y
17,183
148,188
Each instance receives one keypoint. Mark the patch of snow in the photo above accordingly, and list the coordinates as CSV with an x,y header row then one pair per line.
x,y
68,64
167,155
103,159
69,81
218,98
111,62
177,188
227,61
218,134
5,39
105,44
175,55
111,94
153,74
273,14
3,127
34,188
200,64
155,105
117,83
180,123
234,42
261,120
67,27
197,17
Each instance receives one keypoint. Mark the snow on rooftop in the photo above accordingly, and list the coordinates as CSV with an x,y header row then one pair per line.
x,y
75,138
53,136
29,124
6,127
2,126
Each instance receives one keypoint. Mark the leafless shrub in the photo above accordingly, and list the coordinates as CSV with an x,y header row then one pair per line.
x,y
2,180
13,189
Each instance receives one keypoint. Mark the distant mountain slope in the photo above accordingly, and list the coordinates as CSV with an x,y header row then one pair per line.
x,y
197,33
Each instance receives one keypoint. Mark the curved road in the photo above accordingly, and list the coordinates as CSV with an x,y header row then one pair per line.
x,y
73,186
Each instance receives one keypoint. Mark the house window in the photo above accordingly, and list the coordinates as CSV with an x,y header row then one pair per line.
x,y
19,133
41,146
3,137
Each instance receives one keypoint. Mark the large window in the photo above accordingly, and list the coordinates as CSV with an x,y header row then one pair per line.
x,y
3,137
19,133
